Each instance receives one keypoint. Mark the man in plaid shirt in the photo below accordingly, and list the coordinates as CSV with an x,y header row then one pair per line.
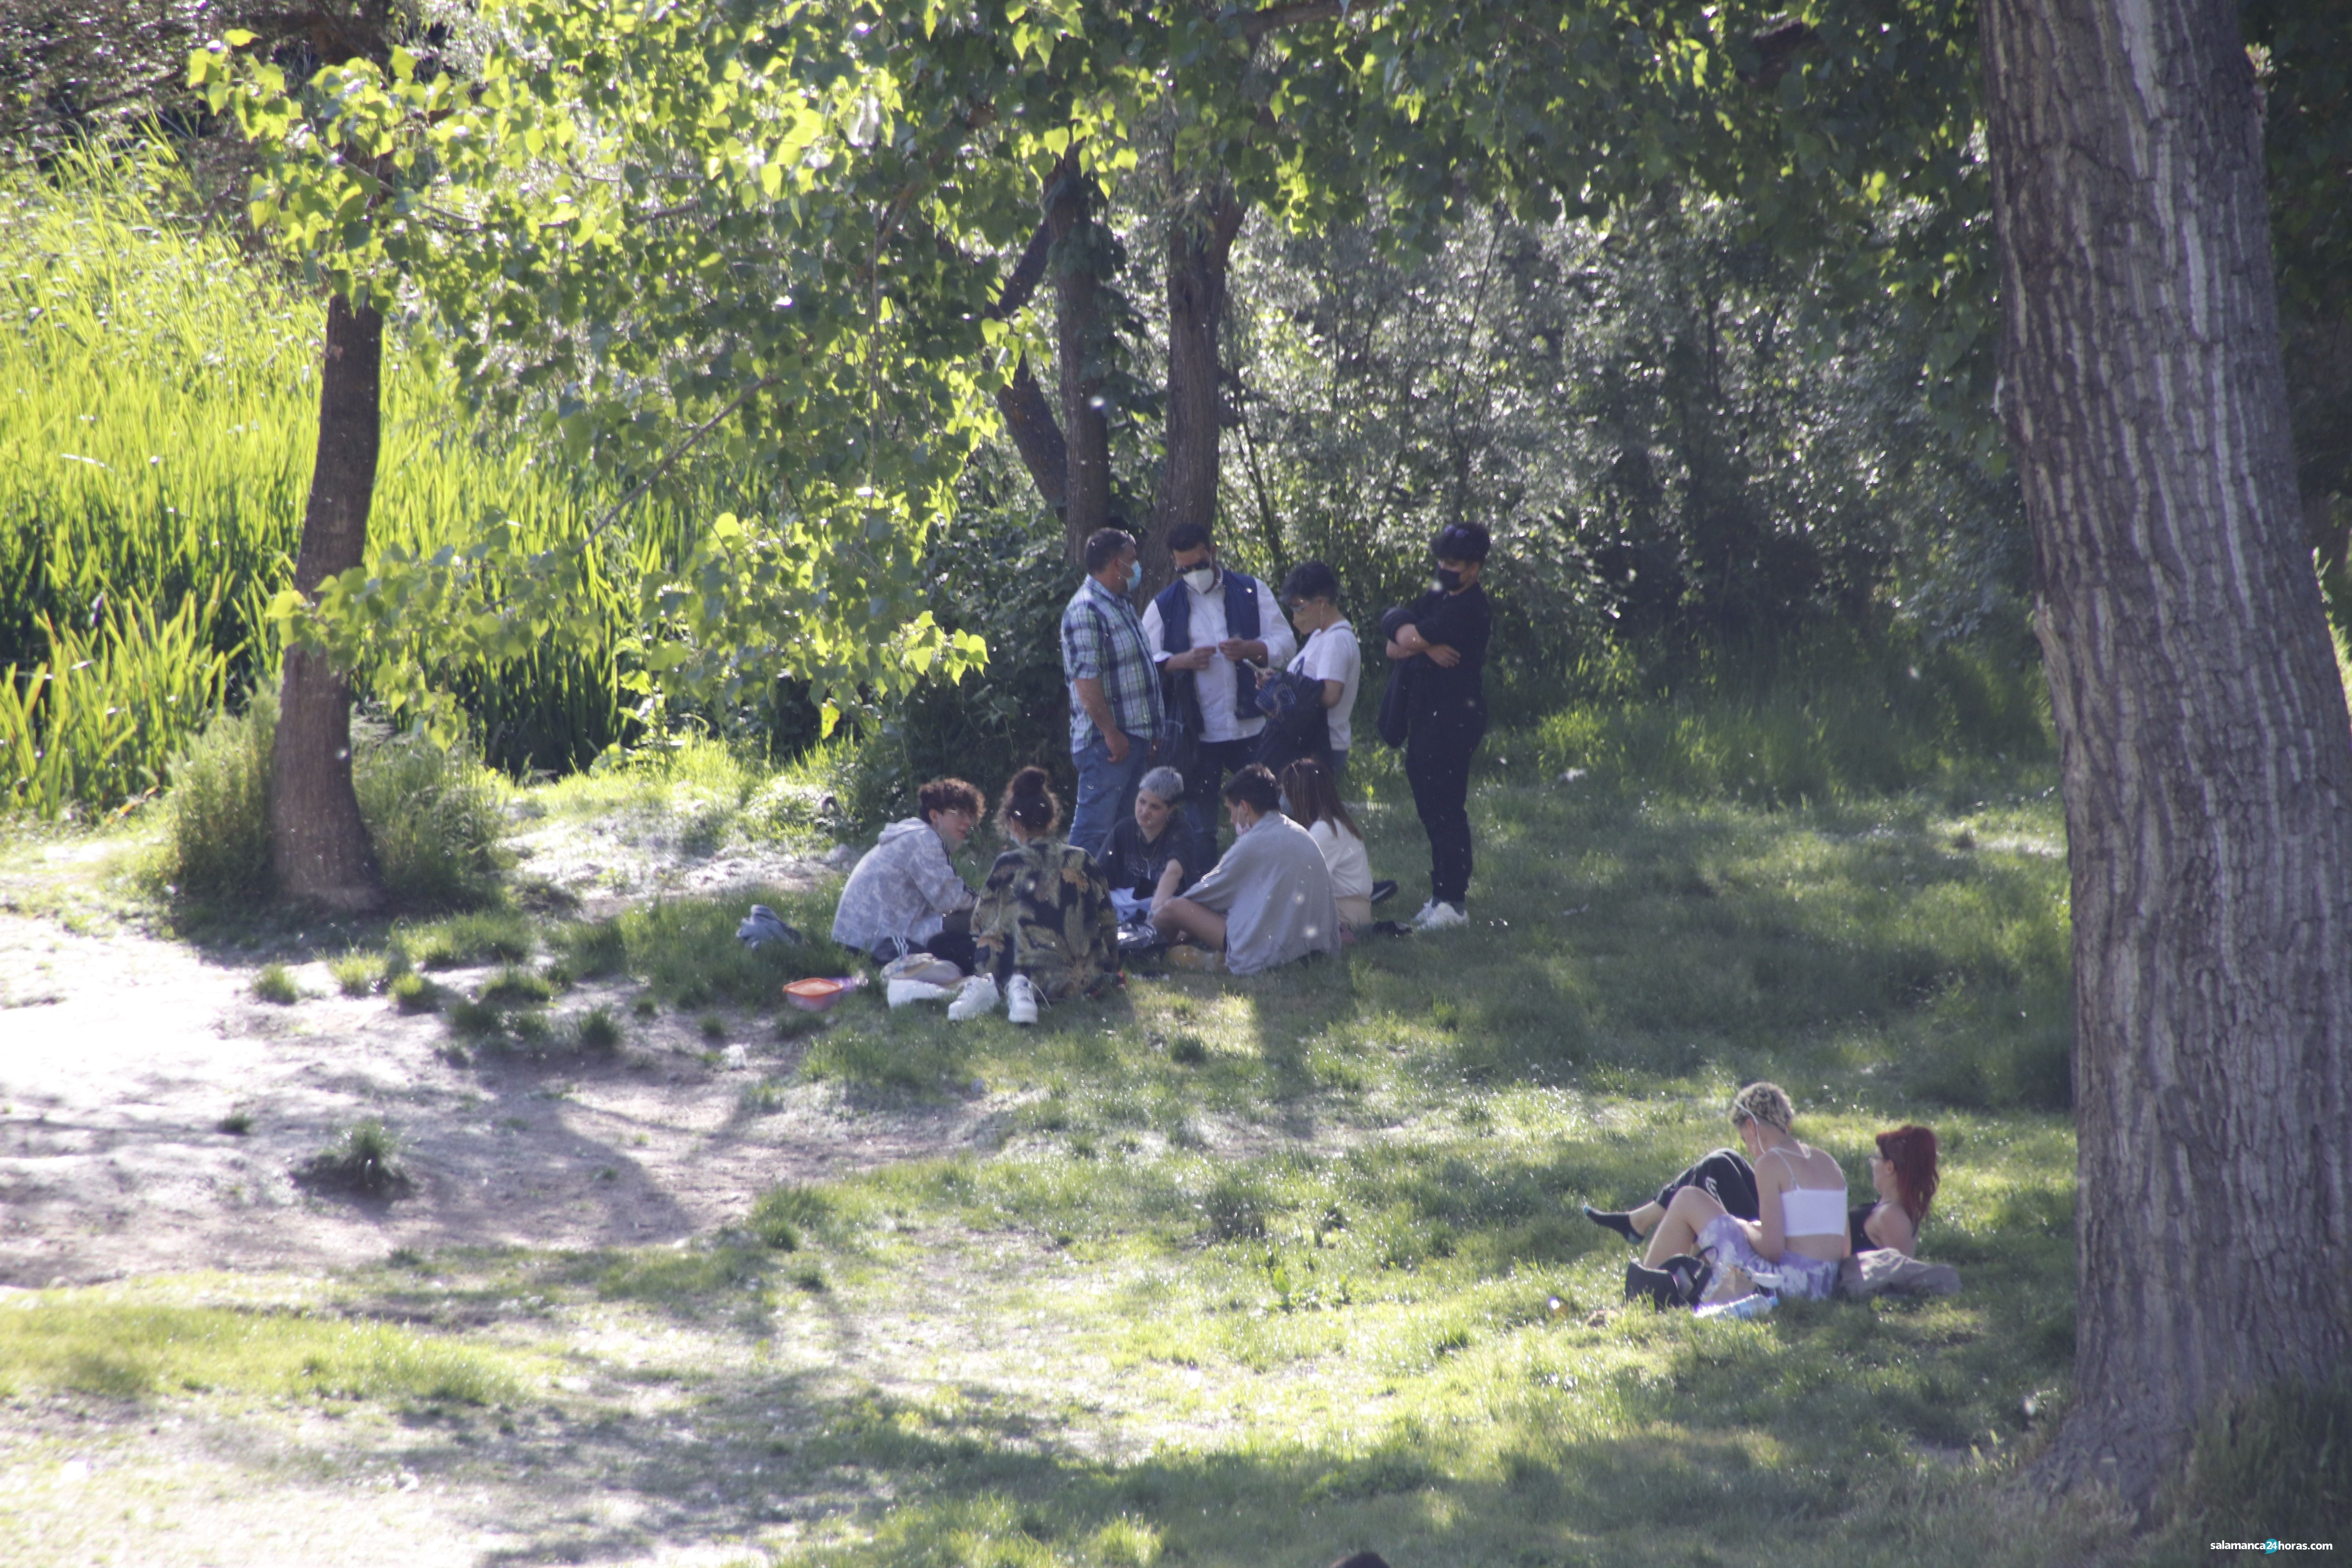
x,y
1116,716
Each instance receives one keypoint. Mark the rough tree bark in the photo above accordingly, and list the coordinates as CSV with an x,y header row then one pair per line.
x,y
317,847
2207,770
1198,254
1080,337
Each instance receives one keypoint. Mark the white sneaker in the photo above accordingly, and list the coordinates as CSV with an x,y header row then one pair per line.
x,y
1021,999
1440,917
977,996
902,992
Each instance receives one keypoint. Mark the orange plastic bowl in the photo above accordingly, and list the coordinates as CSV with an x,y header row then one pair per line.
x,y
815,996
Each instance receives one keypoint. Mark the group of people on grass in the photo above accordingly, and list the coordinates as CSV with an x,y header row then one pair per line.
x,y
1772,1214
1208,695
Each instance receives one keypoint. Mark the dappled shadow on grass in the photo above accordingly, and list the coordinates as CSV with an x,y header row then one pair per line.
x,y
1875,947
974,1473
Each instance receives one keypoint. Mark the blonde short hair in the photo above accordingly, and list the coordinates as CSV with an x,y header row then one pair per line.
x,y
1765,1102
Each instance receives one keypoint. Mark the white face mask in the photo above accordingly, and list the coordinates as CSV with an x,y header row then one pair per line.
x,y
1201,578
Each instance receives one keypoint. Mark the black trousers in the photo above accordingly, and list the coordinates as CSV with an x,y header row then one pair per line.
x,y
1727,1176
1437,764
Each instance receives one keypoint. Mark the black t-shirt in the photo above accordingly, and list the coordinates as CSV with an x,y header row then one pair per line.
x,y
1130,864
1463,623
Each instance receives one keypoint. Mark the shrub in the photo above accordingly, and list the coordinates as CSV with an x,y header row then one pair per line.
x,y
356,973
515,985
432,814
217,847
597,1030
274,985
364,1160
592,949
412,992
478,1019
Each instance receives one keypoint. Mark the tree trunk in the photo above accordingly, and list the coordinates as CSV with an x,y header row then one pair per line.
x,y
318,845
1082,340
2207,770
1198,252
1027,416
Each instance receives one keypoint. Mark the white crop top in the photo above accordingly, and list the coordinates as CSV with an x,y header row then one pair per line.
x,y
1810,1211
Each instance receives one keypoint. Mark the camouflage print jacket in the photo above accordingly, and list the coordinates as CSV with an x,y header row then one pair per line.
x,y
1049,903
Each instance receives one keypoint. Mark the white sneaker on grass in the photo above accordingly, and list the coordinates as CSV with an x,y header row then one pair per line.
x,y
977,996
1021,999
1440,917
902,992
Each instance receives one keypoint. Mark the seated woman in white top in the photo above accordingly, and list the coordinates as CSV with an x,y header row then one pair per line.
x,y
1801,1229
1311,799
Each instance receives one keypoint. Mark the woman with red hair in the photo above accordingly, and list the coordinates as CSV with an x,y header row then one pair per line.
x,y
1904,1173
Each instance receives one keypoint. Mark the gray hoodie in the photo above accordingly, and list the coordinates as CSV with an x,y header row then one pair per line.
x,y
902,890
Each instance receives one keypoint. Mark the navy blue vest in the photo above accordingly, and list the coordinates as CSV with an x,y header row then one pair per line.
x,y
1175,602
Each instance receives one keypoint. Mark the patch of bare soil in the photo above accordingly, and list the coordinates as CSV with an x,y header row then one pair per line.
x,y
124,1062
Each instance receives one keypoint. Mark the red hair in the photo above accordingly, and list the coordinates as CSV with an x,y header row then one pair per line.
x,y
1911,1150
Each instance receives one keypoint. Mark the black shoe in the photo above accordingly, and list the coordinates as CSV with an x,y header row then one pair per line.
x,y
1654,1285
1382,891
1614,1219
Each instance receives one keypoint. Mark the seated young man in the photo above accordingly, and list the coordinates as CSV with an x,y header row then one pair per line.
x,y
1269,900
906,895
1154,851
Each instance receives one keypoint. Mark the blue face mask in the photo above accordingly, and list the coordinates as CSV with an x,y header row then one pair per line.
x,y
1134,576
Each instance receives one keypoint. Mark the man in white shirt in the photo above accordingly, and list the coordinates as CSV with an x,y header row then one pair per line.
x,y
1211,621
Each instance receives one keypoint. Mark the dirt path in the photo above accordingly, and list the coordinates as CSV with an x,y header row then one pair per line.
x,y
120,1055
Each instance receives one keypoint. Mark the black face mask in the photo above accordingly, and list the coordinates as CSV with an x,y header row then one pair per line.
x,y
1449,579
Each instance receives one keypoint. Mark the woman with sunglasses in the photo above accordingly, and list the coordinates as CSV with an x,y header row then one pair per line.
x,y
1903,1173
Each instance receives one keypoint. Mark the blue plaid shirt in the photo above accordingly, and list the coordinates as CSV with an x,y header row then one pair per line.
x,y
1102,640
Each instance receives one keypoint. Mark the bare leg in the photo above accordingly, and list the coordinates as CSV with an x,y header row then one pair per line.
x,y
1645,1218
1202,924
1679,1231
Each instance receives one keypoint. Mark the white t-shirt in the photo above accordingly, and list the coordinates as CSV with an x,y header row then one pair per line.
x,y
1331,654
1345,857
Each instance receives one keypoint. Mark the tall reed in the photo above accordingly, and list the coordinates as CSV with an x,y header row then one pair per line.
x,y
158,418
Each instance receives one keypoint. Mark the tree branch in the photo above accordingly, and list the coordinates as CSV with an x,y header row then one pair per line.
x,y
1257,25
1021,281
675,453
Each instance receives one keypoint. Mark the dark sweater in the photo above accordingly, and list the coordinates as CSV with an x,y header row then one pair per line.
x,y
1130,864
1463,623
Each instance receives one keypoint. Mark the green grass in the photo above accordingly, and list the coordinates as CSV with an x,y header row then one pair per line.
x,y
1227,1271
274,985
486,936
114,1343
357,974
365,1160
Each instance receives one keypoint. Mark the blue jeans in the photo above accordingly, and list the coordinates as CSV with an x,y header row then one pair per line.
x,y
1105,790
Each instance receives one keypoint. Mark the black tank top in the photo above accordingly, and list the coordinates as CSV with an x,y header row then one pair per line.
x,y
1855,1217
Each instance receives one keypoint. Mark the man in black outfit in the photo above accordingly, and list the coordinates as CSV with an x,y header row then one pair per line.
x,y
1440,648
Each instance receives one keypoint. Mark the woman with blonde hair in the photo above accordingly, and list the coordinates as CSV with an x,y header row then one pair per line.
x,y
1801,1229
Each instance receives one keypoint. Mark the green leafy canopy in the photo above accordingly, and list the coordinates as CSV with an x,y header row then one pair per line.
x,y
765,236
